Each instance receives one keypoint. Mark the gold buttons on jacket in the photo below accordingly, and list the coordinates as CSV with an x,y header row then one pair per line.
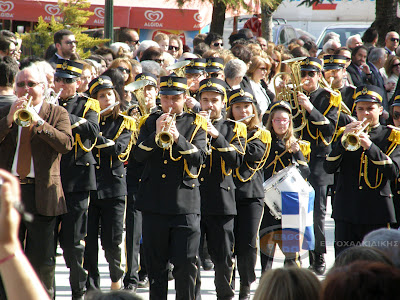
x,y
65,104
276,152
204,165
87,164
103,123
229,188
193,185
201,179
97,155
140,179
165,162
360,187
122,175
97,167
163,175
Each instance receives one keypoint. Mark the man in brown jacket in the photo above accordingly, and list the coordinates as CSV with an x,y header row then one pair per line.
x,y
33,153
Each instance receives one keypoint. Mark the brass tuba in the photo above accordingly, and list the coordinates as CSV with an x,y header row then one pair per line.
x,y
351,141
164,138
289,93
23,117
137,87
179,67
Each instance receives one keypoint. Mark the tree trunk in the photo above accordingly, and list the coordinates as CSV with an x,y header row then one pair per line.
x,y
218,17
266,22
385,19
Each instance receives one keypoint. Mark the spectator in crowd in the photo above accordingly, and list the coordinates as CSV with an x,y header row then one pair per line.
x,y
331,36
254,24
47,69
130,37
391,74
86,77
7,47
199,38
330,46
297,41
242,52
121,50
113,295
200,49
386,240
175,47
153,53
262,42
391,42
143,46
353,41
8,71
152,67
136,67
98,34
362,280
299,52
358,69
288,284
65,43
376,60
363,253
163,41
214,41
101,61
234,71
107,54
50,52
19,278
123,65
311,47
370,37
247,32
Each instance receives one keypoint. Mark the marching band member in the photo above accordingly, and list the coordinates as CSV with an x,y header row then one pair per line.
x,y
321,117
215,67
395,184
137,277
363,200
285,150
227,141
249,193
107,201
77,170
169,196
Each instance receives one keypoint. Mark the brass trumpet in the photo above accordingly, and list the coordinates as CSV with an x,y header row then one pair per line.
x,y
351,141
164,138
23,117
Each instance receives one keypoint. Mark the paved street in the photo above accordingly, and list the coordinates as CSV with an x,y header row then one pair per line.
x,y
207,277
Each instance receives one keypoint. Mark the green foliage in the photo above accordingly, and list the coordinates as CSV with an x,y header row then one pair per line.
x,y
74,16
237,4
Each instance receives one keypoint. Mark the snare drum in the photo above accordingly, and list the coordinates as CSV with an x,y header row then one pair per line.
x,y
288,179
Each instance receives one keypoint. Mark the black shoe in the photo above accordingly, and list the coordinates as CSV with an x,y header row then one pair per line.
x,y
170,275
130,288
244,293
207,264
143,282
319,263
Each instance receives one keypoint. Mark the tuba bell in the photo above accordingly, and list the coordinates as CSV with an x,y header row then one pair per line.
x,y
351,141
137,87
23,117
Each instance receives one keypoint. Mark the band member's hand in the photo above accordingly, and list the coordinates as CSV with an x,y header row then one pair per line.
x,y
161,121
365,68
191,102
365,142
174,131
294,147
20,103
352,127
305,102
211,130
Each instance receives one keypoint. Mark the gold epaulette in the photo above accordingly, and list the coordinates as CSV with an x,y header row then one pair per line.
x,y
128,123
394,136
335,100
305,147
240,129
263,135
142,120
125,113
200,121
92,104
339,132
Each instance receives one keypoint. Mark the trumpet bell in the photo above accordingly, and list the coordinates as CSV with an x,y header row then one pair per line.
x,y
351,142
164,140
23,118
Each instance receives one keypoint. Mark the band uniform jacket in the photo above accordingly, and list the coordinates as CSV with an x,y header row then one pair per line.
x,y
347,93
169,183
355,201
320,129
255,155
47,147
217,187
111,144
77,166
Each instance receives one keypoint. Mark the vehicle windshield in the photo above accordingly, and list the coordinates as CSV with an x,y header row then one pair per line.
x,y
344,33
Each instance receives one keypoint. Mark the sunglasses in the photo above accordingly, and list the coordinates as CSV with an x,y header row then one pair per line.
x,y
218,44
30,84
65,80
134,42
309,73
174,48
396,115
396,65
72,42
160,61
124,70
394,39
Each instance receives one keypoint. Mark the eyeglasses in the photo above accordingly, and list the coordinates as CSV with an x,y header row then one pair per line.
x,y
394,39
160,61
71,42
218,44
174,48
30,84
311,74
124,70
396,65
193,75
280,121
396,115
134,42
65,80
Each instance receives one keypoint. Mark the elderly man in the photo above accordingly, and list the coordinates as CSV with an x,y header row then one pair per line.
x,y
130,37
354,41
331,46
33,153
391,42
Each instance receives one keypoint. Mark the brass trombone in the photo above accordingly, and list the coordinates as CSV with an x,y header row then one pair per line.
x,y
351,141
164,138
23,116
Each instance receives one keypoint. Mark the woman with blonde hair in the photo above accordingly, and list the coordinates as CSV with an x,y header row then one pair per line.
x,y
288,284
391,74
258,70
123,65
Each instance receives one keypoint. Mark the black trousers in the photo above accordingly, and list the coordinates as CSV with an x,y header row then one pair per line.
x,y
247,224
71,236
348,235
319,216
173,238
132,242
220,242
110,214
37,239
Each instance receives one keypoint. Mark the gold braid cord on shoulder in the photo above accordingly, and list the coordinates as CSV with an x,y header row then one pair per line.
x,y
264,136
94,105
305,148
129,124
335,101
